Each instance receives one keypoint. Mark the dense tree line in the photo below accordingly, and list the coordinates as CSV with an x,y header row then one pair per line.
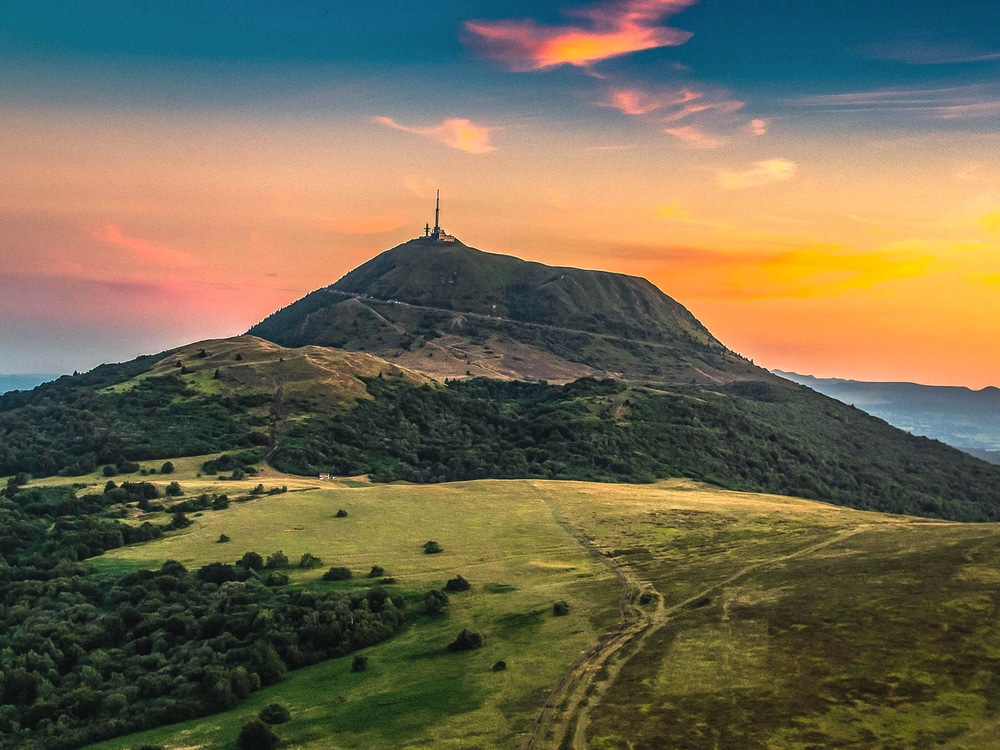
x,y
86,657
748,436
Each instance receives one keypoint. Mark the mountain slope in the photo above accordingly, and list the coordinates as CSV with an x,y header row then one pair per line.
x,y
449,310
966,419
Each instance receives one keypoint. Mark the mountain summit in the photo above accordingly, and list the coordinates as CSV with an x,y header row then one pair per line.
x,y
448,309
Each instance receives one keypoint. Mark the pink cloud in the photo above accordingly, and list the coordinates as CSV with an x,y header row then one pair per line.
x,y
634,101
150,252
758,126
695,137
459,133
612,29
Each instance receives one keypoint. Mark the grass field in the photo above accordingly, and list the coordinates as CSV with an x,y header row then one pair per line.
x,y
755,621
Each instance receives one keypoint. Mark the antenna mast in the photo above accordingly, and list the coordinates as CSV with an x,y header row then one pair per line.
x,y
437,214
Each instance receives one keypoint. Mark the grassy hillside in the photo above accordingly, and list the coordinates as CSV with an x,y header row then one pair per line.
x,y
213,395
752,621
448,309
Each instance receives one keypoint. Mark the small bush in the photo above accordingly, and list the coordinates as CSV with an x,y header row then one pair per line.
x,y
340,514
360,663
277,560
435,602
500,666
276,578
560,609
167,468
222,539
432,548
256,735
457,584
376,571
310,561
251,561
274,713
110,471
467,640
337,574
174,490
387,580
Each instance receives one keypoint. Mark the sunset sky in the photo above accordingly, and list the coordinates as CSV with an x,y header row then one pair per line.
x,y
819,182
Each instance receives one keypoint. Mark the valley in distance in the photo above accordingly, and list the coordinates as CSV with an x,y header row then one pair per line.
x,y
461,500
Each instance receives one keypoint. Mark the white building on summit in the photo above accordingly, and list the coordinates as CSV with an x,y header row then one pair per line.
x,y
437,234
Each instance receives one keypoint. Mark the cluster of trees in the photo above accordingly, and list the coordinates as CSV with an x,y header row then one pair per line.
x,y
86,657
71,427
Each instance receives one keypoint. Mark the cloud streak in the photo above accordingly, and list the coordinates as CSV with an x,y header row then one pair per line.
x,y
695,137
149,252
760,174
949,103
606,30
458,133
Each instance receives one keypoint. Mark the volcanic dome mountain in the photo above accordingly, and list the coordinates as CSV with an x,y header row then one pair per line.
x,y
448,309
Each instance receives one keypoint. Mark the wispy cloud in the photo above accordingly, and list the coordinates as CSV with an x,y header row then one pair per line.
x,y
606,30
950,103
761,173
758,126
926,53
146,251
695,137
455,132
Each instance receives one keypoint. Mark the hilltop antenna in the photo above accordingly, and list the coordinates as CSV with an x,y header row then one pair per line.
x,y
437,215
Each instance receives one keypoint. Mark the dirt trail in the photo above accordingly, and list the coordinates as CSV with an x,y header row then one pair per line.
x,y
563,721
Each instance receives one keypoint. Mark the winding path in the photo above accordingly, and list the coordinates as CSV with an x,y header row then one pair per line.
x,y
563,721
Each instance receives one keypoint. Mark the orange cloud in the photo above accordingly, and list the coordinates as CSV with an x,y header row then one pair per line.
x,y
758,126
150,252
459,133
762,173
694,137
613,29
358,225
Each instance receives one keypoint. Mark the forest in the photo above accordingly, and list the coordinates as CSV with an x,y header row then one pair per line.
x,y
86,657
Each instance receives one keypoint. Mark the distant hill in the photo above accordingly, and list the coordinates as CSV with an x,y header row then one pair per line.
x,y
964,418
450,310
22,382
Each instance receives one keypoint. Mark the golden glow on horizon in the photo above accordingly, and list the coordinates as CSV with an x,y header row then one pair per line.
x,y
874,266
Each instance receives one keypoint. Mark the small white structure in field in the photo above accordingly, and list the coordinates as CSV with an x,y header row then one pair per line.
x,y
324,477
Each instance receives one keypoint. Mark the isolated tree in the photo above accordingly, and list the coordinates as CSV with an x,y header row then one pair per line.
x,y
376,571
457,584
360,663
174,489
167,468
432,548
222,539
560,608
466,640
256,735
274,713
340,513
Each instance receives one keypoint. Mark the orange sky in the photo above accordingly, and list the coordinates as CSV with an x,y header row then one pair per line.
x,y
803,234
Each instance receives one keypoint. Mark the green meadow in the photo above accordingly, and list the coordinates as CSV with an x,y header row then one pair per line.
x,y
751,621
